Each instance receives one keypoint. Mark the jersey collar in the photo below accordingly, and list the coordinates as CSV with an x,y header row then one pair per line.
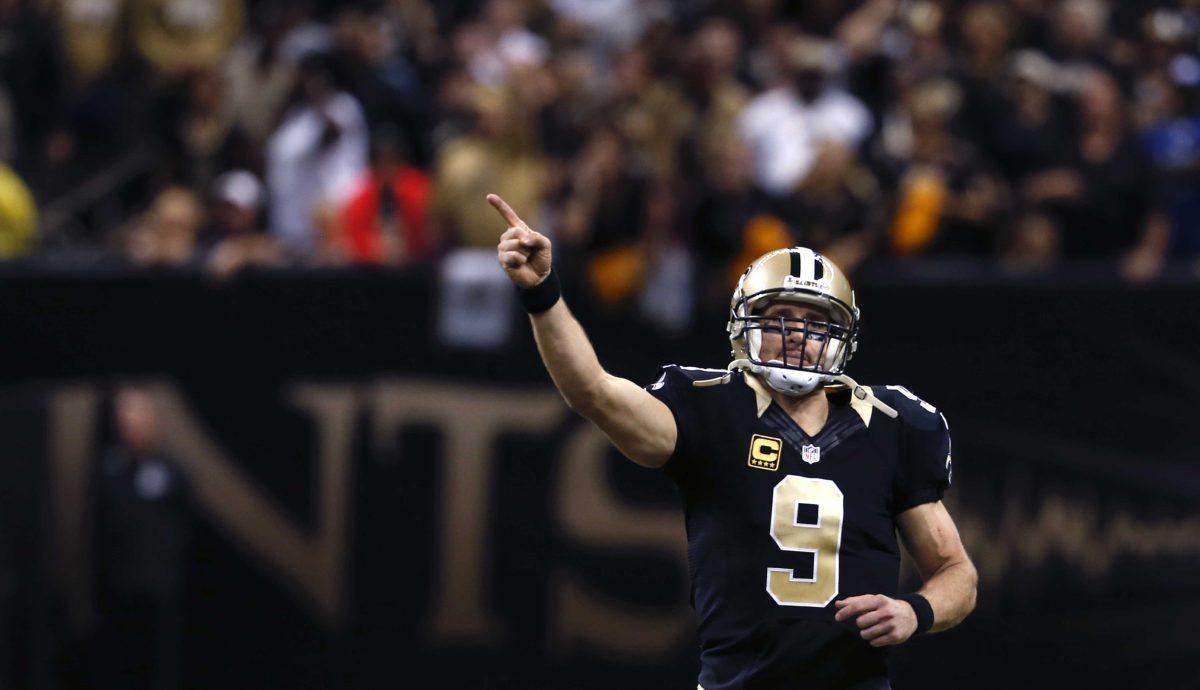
x,y
762,398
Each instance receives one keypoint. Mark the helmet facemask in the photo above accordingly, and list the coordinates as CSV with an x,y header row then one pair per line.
x,y
830,340
821,345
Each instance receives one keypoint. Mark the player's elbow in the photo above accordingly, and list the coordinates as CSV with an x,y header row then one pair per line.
x,y
649,455
972,588
968,578
580,404
587,401
599,401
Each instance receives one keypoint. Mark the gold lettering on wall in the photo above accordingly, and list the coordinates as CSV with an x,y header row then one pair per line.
x,y
470,418
590,513
72,412
311,564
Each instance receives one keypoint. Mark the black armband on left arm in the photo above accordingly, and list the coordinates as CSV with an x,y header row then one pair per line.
x,y
922,608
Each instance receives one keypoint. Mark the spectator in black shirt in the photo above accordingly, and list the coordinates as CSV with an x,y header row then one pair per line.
x,y
1103,194
142,536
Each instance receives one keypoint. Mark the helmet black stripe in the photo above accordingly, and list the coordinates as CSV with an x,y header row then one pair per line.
x,y
818,267
797,264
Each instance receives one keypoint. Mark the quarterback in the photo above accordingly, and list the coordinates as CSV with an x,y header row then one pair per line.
x,y
795,479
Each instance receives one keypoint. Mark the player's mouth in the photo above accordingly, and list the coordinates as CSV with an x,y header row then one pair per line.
x,y
796,358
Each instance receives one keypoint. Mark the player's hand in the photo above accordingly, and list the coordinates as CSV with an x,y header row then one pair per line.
x,y
881,620
523,252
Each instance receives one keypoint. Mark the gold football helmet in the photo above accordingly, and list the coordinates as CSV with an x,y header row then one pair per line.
x,y
798,275
801,275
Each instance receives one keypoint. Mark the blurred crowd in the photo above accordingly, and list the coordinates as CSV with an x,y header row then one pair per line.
x,y
661,143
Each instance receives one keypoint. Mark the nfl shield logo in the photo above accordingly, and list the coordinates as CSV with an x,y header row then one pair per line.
x,y
810,454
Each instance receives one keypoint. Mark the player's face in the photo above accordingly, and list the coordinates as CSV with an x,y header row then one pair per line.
x,y
797,350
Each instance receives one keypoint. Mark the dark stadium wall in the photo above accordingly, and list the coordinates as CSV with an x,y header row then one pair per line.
x,y
371,507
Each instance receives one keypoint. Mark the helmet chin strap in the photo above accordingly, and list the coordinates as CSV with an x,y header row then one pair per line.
x,y
864,393
790,382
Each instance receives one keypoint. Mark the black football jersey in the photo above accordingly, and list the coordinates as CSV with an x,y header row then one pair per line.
x,y
780,524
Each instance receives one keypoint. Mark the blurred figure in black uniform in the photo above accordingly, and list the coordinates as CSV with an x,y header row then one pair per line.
x,y
142,536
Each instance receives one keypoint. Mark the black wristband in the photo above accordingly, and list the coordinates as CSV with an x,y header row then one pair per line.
x,y
921,607
542,296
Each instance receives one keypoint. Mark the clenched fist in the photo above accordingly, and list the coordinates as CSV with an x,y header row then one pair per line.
x,y
523,252
881,620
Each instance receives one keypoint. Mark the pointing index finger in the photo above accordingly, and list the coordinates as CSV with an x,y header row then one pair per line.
x,y
510,216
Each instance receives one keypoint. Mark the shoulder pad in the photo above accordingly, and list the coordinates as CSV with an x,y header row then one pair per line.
x,y
677,374
913,411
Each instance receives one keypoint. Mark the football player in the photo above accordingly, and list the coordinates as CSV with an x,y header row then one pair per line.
x,y
795,479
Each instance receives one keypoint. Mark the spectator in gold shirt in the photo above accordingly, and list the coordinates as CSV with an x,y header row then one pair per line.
x,y
499,154
176,36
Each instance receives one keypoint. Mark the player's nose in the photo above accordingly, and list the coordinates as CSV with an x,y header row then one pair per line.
x,y
801,350
805,350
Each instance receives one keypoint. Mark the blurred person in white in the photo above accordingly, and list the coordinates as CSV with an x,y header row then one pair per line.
x,y
610,25
235,226
803,122
142,536
313,157
504,44
166,234
825,456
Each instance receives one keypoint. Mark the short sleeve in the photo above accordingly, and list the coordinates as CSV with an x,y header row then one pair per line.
x,y
924,471
674,389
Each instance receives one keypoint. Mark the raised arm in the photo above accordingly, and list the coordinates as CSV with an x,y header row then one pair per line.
x,y
638,424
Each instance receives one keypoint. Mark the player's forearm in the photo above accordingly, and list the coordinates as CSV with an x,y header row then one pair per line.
x,y
569,357
635,421
951,593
